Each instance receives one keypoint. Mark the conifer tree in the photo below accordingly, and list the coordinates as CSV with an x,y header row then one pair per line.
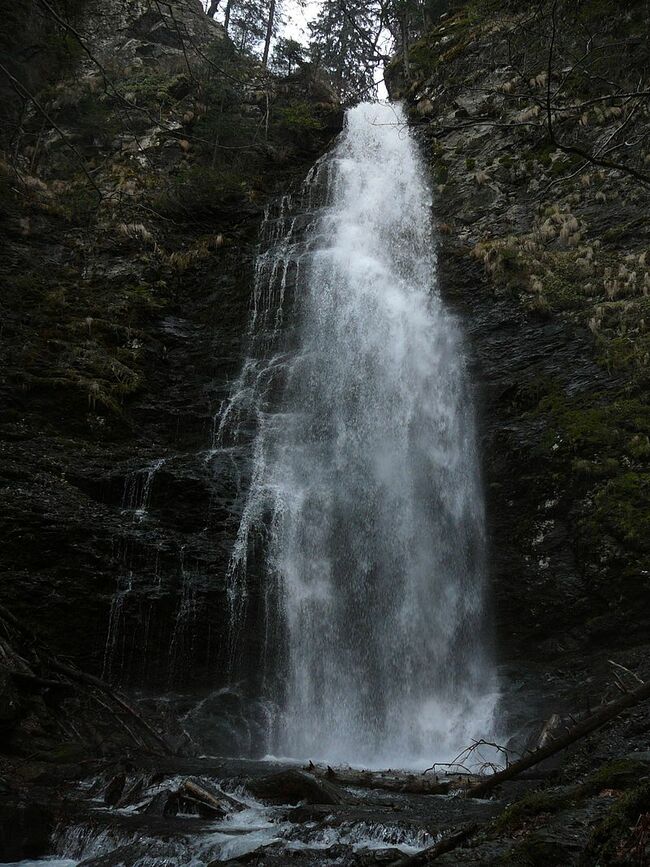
x,y
345,43
287,55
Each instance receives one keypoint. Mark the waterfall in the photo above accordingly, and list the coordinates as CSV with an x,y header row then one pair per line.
x,y
364,512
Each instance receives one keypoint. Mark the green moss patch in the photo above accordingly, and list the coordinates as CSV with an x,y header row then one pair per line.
x,y
622,508
619,774
595,424
620,837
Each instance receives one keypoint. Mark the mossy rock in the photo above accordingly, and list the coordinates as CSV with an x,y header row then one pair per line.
x,y
200,191
596,424
619,838
622,508
533,804
596,469
620,774
538,850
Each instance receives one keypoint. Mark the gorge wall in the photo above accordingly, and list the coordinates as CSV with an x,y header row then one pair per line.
x,y
545,253
131,201
140,154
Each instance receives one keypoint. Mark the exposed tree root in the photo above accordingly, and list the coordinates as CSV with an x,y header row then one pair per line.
x,y
36,667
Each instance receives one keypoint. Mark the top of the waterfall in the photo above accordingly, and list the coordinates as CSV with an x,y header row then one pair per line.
x,y
379,120
380,212
381,113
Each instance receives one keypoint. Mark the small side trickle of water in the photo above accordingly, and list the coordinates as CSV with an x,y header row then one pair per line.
x,y
113,663
136,500
182,642
137,489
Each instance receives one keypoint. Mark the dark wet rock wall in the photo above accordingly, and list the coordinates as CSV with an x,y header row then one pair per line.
x,y
130,242
544,256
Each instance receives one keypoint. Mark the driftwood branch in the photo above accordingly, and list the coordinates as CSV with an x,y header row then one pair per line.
x,y
622,668
461,760
91,680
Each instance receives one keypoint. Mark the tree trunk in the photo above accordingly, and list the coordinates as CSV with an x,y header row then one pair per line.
x,y
226,20
269,33
389,781
405,47
339,74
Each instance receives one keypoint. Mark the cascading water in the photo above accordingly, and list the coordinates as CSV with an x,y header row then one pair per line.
x,y
365,489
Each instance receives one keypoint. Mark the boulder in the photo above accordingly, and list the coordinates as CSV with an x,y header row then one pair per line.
x,y
25,830
114,789
293,786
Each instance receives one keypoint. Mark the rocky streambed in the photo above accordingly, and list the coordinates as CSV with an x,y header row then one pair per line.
x,y
150,811
156,811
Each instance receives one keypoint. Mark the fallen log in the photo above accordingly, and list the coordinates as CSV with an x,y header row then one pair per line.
x,y
32,683
114,789
131,794
442,847
162,804
606,713
413,784
91,680
210,803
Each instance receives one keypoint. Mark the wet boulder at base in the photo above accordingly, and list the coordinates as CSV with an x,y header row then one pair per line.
x,y
294,786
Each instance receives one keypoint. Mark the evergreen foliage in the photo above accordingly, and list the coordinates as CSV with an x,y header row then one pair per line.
x,y
287,56
247,23
345,39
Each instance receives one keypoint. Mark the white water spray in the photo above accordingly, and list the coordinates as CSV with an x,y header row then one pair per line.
x,y
365,485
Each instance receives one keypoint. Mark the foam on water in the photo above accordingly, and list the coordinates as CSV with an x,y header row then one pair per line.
x,y
256,826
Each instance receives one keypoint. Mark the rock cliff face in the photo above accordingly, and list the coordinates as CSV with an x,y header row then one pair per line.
x,y
543,249
131,200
